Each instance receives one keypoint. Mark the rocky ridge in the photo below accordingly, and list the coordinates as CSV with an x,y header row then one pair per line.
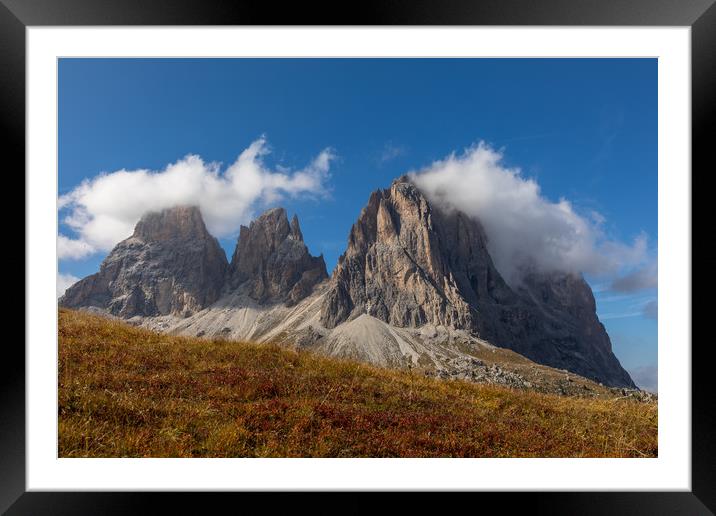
x,y
416,287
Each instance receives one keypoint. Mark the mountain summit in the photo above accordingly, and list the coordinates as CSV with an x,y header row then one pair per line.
x,y
273,261
170,265
416,285
410,264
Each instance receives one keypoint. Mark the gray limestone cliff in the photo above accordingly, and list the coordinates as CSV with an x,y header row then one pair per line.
x,y
410,264
273,262
170,265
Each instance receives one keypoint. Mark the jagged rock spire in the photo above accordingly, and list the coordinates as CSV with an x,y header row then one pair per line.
x,y
272,261
296,229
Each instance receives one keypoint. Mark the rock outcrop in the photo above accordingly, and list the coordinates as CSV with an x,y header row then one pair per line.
x,y
170,265
272,261
410,264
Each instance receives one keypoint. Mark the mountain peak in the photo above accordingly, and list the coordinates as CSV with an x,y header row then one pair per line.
x,y
170,265
409,263
273,262
405,178
272,214
179,222
396,266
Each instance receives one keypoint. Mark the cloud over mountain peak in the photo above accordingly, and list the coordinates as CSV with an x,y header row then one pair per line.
x,y
103,210
525,230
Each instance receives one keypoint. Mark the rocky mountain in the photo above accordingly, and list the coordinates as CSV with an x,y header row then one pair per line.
x,y
415,286
272,259
410,264
170,265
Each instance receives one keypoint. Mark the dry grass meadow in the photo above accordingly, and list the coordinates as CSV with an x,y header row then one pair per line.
x,y
129,392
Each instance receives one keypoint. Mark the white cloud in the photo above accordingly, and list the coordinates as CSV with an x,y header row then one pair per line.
x,y
65,281
73,249
524,229
104,210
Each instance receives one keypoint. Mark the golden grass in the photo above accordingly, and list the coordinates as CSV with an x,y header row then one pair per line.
x,y
129,392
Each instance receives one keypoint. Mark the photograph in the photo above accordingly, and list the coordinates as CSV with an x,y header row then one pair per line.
x,y
381,257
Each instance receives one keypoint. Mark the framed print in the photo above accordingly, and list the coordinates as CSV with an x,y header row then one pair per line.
x,y
417,250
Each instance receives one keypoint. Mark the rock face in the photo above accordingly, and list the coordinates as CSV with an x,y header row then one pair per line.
x,y
556,323
273,262
409,264
170,265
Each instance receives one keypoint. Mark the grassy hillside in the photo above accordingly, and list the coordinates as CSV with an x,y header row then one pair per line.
x,y
129,392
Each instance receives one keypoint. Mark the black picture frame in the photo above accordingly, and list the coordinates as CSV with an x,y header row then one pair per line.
x,y
700,15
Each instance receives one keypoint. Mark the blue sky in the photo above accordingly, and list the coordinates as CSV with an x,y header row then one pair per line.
x,y
583,129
